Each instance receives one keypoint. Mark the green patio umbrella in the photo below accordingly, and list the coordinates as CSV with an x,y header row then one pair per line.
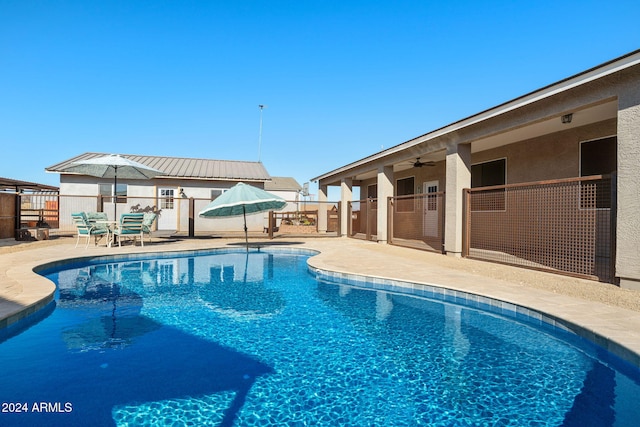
x,y
242,199
112,166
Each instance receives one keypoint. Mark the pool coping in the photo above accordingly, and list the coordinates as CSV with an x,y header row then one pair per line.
x,y
612,328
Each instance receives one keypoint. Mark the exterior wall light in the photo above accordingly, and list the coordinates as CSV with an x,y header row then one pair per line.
x,y
567,118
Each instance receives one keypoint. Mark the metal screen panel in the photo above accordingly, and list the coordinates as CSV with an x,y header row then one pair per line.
x,y
563,226
417,221
364,219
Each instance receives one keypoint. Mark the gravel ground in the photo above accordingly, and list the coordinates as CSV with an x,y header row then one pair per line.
x,y
578,288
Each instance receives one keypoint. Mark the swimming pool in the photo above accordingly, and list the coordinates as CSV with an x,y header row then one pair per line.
x,y
230,338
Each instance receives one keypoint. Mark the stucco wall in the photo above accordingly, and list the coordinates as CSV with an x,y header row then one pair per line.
x,y
628,220
423,174
146,191
553,156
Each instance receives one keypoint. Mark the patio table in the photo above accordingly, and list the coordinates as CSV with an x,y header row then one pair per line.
x,y
111,226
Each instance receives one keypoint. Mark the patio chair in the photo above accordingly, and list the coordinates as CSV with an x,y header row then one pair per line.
x,y
86,229
147,223
99,220
130,227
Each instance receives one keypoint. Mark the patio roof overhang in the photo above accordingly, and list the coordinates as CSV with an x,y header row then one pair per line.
x,y
504,124
15,185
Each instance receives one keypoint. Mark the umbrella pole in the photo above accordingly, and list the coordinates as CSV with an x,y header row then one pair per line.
x,y
246,238
115,194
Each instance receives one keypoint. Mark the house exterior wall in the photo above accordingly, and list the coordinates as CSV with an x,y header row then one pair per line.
x,y
605,98
548,157
423,174
147,190
553,156
402,220
200,190
293,200
81,185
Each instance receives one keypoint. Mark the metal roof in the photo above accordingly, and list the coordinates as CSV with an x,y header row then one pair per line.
x,y
282,183
187,168
7,184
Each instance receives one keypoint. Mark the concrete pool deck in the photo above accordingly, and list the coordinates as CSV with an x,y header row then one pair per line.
x,y
611,313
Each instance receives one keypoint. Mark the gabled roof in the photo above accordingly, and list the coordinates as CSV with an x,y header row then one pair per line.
x,y
187,168
282,183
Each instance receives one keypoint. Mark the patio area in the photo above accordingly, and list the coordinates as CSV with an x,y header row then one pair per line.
x,y
594,308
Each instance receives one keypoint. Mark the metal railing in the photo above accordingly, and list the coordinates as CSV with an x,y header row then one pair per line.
x,y
417,221
304,222
564,226
363,219
177,215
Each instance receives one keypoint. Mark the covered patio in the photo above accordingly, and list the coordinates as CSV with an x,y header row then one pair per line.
x,y
581,128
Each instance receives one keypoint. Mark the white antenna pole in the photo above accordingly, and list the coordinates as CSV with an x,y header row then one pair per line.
x,y
261,106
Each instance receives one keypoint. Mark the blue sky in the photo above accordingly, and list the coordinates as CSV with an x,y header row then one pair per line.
x,y
341,79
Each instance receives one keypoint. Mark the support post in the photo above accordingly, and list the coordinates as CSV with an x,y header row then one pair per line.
x,y
385,190
192,217
628,181
458,174
322,209
346,194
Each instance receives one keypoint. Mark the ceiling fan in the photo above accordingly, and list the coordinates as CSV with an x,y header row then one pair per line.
x,y
419,164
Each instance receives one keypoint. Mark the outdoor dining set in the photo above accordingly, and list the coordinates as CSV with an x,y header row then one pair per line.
x,y
130,226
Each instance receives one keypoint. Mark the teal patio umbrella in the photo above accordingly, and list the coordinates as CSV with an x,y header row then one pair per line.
x,y
112,166
242,199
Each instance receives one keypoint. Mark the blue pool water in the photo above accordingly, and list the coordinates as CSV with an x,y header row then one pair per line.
x,y
254,340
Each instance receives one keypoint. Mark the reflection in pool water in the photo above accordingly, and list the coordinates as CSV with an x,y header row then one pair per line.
x,y
94,291
237,339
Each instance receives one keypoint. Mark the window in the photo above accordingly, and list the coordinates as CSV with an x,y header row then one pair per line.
x,y
216,192
432,199
166,198
121,193
405,187
597,157
488,174
106,190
